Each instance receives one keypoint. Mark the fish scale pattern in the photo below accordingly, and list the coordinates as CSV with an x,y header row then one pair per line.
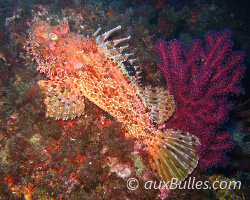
x,y
103,71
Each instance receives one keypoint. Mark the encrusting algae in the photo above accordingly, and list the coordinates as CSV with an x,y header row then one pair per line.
x,y
100,70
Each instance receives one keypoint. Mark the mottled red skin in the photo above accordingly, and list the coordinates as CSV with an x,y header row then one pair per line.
x,y
64,48
77,66
87,69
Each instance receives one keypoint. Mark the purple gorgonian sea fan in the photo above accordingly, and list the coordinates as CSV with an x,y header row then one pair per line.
x,y
201,76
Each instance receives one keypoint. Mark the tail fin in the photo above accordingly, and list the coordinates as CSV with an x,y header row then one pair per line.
x,y
173,154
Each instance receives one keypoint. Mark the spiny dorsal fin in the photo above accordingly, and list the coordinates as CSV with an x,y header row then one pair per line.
x,y
63,98
160,102
174,154
118,53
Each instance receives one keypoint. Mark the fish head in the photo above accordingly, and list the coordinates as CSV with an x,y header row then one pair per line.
x,y
49,46
60,52
46,35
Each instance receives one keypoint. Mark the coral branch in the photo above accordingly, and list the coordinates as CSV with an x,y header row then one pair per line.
x,y
201,76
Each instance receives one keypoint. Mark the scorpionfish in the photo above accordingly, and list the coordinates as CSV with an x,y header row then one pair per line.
x,y
101,69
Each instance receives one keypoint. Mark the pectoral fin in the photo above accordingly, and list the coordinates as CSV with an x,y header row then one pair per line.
x,y
63,98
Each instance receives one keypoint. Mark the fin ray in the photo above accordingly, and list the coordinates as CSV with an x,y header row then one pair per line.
x,y
160,102
62,102
122,58
172,158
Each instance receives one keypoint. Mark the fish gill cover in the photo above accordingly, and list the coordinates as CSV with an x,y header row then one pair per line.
x,y
100,112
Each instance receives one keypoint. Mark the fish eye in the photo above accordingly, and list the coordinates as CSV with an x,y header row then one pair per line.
x,y
53,36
